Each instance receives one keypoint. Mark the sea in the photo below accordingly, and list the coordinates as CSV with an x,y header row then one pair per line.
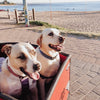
x,y
68,6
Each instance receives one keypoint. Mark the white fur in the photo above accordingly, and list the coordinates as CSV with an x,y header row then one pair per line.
x,y
11,84
49,67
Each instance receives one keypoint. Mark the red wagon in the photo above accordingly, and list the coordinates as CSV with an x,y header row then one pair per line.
x,y
59,88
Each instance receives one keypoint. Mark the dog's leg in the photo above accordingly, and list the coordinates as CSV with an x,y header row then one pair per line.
x,y
41,86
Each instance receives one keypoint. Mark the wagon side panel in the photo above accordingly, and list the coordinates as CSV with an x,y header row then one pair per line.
x,y
61,88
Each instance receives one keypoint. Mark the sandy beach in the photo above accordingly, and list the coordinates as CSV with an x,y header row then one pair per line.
x,y
85,60
76,21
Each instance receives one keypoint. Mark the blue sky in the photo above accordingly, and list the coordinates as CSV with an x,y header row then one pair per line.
x,y
47,1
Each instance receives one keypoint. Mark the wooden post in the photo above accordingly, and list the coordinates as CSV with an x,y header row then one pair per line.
x,y
16,15
26,13
33,12
8,13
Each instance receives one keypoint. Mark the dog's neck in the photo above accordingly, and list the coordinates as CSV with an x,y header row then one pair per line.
x,y
50,54
15,71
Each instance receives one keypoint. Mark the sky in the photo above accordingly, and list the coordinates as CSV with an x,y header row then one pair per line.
x,y
47,1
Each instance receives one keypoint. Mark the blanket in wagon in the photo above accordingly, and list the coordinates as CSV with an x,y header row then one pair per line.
x,y
1,61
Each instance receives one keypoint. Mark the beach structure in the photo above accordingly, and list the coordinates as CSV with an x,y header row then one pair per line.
x,y
5,14
22,16
26,13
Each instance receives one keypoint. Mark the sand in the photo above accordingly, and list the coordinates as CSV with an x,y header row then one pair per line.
x,y
76,21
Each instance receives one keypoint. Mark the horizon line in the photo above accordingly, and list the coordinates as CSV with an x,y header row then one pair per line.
x,y
57,2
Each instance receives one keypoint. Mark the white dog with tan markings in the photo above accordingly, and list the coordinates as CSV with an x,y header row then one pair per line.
x,y
20,65
50,44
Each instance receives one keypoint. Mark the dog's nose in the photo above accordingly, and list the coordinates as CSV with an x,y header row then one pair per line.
x,y
61,39
36,67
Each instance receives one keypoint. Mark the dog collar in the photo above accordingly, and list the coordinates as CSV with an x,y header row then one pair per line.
x,y
13,72
45,55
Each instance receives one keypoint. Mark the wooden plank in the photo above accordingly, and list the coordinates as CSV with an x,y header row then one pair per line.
x,y
33,12
16,15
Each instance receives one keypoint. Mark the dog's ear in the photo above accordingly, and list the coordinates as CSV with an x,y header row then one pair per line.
x,y
6,49
39,41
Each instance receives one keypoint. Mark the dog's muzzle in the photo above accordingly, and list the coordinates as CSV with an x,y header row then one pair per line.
x,y
33,75
59,46
55,47
36,67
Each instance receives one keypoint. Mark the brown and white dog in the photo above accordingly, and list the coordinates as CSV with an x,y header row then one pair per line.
x,y
20,64
50,43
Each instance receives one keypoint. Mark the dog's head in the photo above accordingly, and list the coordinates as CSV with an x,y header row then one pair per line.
x,y
51,39
22,58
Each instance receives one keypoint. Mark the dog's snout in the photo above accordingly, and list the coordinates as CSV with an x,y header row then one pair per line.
x,y
36,67
61,39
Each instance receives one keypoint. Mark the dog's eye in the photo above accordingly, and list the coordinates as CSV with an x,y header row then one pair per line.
x,y
51,34
22,56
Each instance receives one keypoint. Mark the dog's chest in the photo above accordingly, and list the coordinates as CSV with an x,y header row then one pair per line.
x,y
9,86
49,67
14,86
53,65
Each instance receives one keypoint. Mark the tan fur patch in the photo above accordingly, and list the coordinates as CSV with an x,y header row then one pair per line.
x,y
7,49
39,41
